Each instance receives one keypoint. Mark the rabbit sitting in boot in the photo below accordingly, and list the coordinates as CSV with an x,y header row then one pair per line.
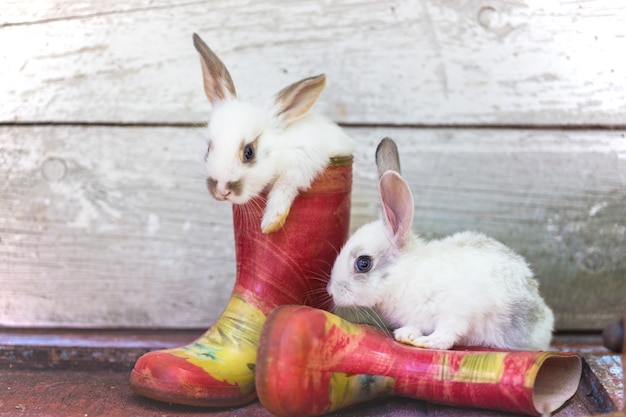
x,y
279,149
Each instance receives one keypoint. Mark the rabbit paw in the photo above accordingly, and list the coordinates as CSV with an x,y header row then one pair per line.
x,y
274,216
407,335
411,336
435,341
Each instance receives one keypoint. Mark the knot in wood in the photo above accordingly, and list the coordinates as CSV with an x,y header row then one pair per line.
x,y
53,169
488,17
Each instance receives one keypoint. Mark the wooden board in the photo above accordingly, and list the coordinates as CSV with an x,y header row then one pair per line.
x,y
82,393
108,223
395,62
53,373
113,227
56,393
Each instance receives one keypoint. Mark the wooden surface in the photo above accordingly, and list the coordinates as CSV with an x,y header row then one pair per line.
x,y
96,237
83,393
510,118
55,373
428,61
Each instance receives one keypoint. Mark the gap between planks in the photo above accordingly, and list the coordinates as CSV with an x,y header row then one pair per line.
x,y
442,126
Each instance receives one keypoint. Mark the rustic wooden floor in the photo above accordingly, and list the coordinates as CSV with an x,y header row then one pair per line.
x,y
85,373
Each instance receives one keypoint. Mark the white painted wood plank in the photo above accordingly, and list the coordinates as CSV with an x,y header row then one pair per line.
x,y
526,62
107,227
114,226
20,12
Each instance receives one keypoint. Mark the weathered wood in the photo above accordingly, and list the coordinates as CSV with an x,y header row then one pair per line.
x,y
17,12
97,230
109,227
406,62
87,393
113,227
87,373
606,379
85,350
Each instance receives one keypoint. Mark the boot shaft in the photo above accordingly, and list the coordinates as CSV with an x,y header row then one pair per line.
x,y
293,264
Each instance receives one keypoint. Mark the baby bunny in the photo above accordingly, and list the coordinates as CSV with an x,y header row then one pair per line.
x,y
252,149
466,289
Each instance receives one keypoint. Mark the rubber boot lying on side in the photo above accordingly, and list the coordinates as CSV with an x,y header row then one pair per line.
x,y
312,362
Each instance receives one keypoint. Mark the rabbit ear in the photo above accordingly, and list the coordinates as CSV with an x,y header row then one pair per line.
x,y
218,85
387,157
397,205
295,100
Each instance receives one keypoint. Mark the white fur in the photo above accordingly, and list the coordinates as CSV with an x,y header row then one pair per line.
x,y
293,145
288,160
466,289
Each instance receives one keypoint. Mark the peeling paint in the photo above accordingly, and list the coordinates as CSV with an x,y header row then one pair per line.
x,y
596,208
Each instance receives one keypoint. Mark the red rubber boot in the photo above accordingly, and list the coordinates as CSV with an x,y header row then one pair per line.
x,y
312,362
289,266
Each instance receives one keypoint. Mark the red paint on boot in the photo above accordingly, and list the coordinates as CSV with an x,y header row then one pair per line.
x,y
289,266
312,362
181,382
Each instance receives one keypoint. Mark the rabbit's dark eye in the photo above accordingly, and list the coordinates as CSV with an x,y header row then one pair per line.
x,y
248,153
363,263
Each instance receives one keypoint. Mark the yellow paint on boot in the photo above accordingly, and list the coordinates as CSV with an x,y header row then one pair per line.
x,y
348,389
349,328
228,350
533,371
481,368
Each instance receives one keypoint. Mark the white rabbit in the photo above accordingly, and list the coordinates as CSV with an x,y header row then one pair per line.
x,y
464,290
252,149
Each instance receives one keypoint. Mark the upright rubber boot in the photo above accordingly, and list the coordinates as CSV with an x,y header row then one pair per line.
x,y
289,266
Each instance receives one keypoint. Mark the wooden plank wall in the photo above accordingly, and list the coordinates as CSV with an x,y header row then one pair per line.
x,y
510,117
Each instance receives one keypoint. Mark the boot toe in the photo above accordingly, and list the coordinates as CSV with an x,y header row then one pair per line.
x,y
162,376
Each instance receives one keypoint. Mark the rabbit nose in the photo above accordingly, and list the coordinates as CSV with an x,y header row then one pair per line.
x,y
218,190
222,193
